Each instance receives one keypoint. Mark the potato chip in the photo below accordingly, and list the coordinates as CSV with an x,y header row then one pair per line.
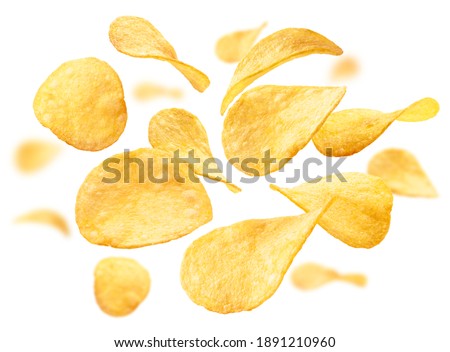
x,y
239,267
349,131
276,119
273,51
145,91
45,217
402,173
232,47
361,214
82,103
34,154
345,68
310,276
179,130
135,36
139,199
120,285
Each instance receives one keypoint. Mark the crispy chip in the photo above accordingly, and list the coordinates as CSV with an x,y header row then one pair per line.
x,y
82,103
177,129
45,217
233,47
34,154
349,131
140,199
310,276
273,51
346,67
239,267
135,36
361,214
276,119
402,173
120,285
145,91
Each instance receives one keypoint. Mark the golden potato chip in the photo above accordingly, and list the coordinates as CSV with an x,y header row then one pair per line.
x,y
34,154
361,213
273,51
402,173
179,130
239,267
45,217
135,36
120,285
345,68
140,198
310,276
233,47
349,131
145,91
279,120
82,103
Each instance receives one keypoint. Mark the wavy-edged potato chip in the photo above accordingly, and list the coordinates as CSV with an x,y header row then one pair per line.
x,y
276,49
137,37
310,276
402,172
140,199
34,154
232,47
344,68
120,285
45,217
238,267
179,130
276,119
145,91
348,132
82,103
361,214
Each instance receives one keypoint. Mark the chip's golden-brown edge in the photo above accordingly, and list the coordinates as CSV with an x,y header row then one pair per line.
x,y
45,217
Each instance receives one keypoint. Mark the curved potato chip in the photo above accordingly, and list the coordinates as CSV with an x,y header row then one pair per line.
x,y
120,285
239,267
276,49
345,68
82,103
361,214
135,36
310,276
279,120
145,91
402,173
348,132
178,129
140,199
34,154
232,47
45,217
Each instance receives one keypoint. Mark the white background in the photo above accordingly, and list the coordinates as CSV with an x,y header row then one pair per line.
x,y
46,292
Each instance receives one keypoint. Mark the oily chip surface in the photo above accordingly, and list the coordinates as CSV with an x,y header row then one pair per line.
x,y
82,103
45,217
34,154
136,200
120,285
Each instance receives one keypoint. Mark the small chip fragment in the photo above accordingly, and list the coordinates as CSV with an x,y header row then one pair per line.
x,y
34,154
146,91
361,213
137,198
348,132
82,103
135,36
276,49
279,120
232,47
120,285
238,267
178,130
345,68
310,276
45,217
402,172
